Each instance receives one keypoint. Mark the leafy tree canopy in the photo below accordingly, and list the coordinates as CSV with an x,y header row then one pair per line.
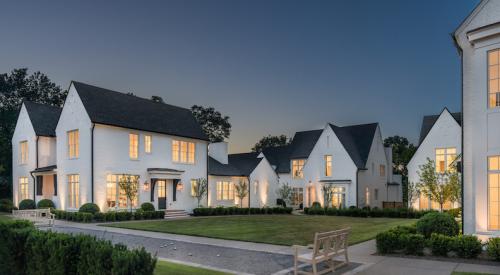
x,y
402,152
271,141
215,126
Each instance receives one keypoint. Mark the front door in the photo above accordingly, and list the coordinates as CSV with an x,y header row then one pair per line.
x,y
161,187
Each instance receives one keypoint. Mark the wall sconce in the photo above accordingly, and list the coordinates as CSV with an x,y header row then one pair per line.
x,y
145,187
180,186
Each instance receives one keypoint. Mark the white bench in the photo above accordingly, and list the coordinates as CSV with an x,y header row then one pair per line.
x,y
43,216
326,246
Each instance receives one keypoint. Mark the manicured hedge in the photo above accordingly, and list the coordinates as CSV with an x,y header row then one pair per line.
x,y
147,206
219,211
89,207
45,203
494,248
27,204
25,250
109,216
367,212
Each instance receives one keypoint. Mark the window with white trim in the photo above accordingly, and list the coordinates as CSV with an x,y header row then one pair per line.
x,y
115,195
225,190
133,151
147,143
23,152
183,151
194,188
328,165
73,144
23,188
367,196
494,78
444,158
382,170
74,191
297,167
494,193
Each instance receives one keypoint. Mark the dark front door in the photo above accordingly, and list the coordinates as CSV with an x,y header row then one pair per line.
x,y
161,187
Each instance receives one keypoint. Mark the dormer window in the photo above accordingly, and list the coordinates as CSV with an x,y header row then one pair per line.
x,y
493,78
297,167
23,152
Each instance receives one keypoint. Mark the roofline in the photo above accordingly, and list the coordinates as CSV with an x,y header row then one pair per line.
x,y
32,124
471,14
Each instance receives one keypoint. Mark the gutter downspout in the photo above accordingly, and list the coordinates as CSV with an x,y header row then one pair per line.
x,y
208,189
357,187
92,163
249,192
31,173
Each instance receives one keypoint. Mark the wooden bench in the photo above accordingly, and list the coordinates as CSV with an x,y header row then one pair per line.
x,y
326,246
38,216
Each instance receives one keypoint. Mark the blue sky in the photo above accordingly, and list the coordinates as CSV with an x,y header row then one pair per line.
x,y
274,67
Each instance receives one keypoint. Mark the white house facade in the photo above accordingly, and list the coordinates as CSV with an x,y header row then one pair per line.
x,y
441,142
478,41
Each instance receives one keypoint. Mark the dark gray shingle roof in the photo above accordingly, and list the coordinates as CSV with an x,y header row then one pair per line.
x,y
429,121
238,165
357,140
43,117
303,143
119,109
279,157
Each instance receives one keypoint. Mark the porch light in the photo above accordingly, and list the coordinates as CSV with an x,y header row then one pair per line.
x,y
180,186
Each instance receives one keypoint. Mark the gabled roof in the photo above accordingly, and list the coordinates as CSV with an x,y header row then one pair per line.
x,y
356,139
470,16
238,165
43,117
119,109
429,121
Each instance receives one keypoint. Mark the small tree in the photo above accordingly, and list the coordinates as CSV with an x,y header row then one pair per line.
x,y
200,189
435,185
285,193
412,193
241,189
327,195
455,182
130,186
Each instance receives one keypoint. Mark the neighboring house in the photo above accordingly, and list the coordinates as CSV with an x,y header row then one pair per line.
x,y
351,160
478,41
34,153
440,141
103,136
226,171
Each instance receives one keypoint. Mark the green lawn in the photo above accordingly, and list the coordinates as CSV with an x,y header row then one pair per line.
x,y
469,273
273,229
169,268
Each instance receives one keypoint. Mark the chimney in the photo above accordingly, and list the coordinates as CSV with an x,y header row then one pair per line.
x,y
218,151
388,156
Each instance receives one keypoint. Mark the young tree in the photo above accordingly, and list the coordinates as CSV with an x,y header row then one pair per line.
x,y
215,126
327,195
412,193
455,182
200,189
271,141
285,193
435,185
130,186
241,189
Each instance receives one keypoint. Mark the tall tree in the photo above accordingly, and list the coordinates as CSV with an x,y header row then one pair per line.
x,y
15,87
271,141
214,124
402,152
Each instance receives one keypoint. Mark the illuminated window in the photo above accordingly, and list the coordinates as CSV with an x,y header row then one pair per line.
x,y
444,158
297,196
338,197
23,188
494,193
194,188
367,196
74,191
225,190
375,194
382,170
116,196
133,150
493,78
147,143
297,167
183,151
73,144
23,152
328,165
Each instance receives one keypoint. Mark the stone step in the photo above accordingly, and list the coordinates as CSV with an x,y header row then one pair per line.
x,y
175,214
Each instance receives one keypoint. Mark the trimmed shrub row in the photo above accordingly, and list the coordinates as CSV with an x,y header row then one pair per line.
x,y
440,223
219,211
25,250
109,216
367,212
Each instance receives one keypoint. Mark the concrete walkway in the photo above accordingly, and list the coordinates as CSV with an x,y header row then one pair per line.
x,y
256,258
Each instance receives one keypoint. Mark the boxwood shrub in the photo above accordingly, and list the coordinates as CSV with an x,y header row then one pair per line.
x,y
45,203
436,222
467,246
27,204
147,206
25,250
440,245
494,248
89,208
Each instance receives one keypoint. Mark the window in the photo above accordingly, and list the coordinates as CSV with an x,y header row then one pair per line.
x,y
367,196
493,79
23,152
73,144
375,194
494,193
328,165
225,190
444,159
338,197
297,196
23,188
133,151
74,191
194,188
147,143
297,167
382,170
116,196
183,151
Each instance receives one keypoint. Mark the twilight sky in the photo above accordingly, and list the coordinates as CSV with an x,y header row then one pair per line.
x,y
274,67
